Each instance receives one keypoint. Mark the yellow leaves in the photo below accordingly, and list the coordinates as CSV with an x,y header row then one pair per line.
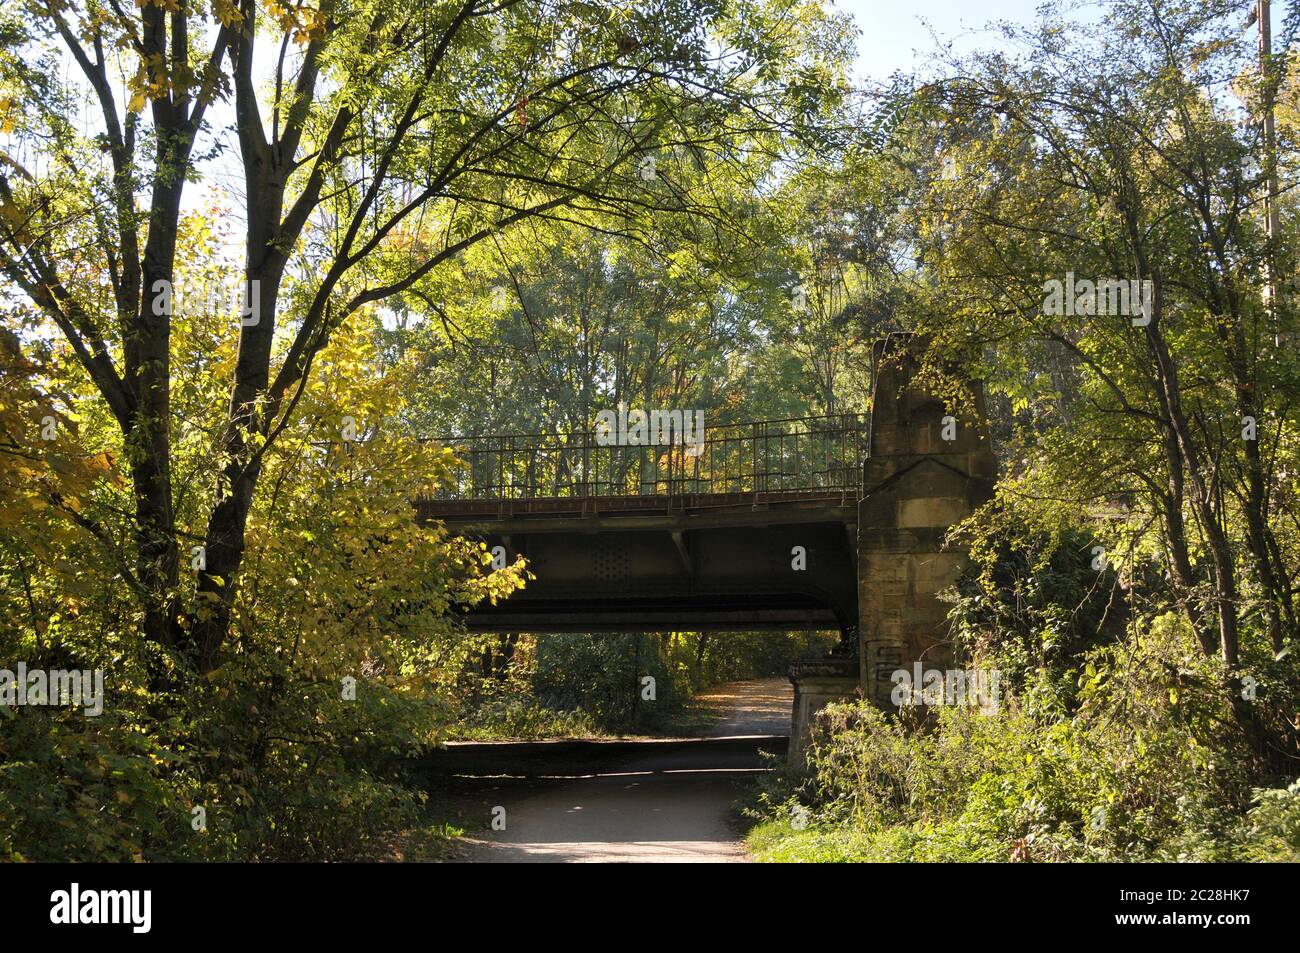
x,y
312,27
8,114
151,81
302,22
226,12
105,464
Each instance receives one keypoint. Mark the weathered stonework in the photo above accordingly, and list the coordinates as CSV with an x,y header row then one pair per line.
x,y
917,485
817,682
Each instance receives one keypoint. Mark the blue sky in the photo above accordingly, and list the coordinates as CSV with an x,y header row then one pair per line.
x,y
894,33
895,36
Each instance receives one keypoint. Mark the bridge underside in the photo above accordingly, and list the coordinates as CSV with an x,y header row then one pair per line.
x,y
699,613
869,512
712,562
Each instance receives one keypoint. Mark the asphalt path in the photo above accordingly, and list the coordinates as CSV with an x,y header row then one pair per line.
x,y
637,800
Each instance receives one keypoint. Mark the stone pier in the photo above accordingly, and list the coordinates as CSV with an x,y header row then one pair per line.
x,y
817,683
929,467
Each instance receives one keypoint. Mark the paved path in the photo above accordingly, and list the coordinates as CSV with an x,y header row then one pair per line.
x,y
648,801
757,707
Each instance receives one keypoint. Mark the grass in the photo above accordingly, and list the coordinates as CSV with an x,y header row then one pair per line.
x,y
432,841
437,838
778,842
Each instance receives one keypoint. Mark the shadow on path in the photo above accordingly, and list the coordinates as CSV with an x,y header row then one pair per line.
x,y
638,800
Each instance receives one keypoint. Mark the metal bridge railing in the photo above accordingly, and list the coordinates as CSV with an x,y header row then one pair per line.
x,y
801,454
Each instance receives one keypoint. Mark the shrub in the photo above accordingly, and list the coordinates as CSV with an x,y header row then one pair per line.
x,y
1148,765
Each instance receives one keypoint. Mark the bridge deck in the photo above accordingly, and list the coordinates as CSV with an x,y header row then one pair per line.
x,y
729,465
652,538
595,507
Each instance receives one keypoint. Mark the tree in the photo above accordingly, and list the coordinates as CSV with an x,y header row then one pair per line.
x,y
1124,151
377,141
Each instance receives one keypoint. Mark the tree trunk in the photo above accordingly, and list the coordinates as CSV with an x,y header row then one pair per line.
x,y
1225,579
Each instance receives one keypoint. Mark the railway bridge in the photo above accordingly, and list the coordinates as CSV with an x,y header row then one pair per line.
x,y
832,522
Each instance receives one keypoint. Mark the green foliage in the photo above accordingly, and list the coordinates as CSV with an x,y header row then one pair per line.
x,y
406,186
1146,697
281,768
339,581
1272,828
588,684
203,527
602,674
1034,599
713,657
1115,737
76,788
1143,762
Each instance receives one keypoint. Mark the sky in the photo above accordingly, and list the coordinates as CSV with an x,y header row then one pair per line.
x,y
894,35
902,34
